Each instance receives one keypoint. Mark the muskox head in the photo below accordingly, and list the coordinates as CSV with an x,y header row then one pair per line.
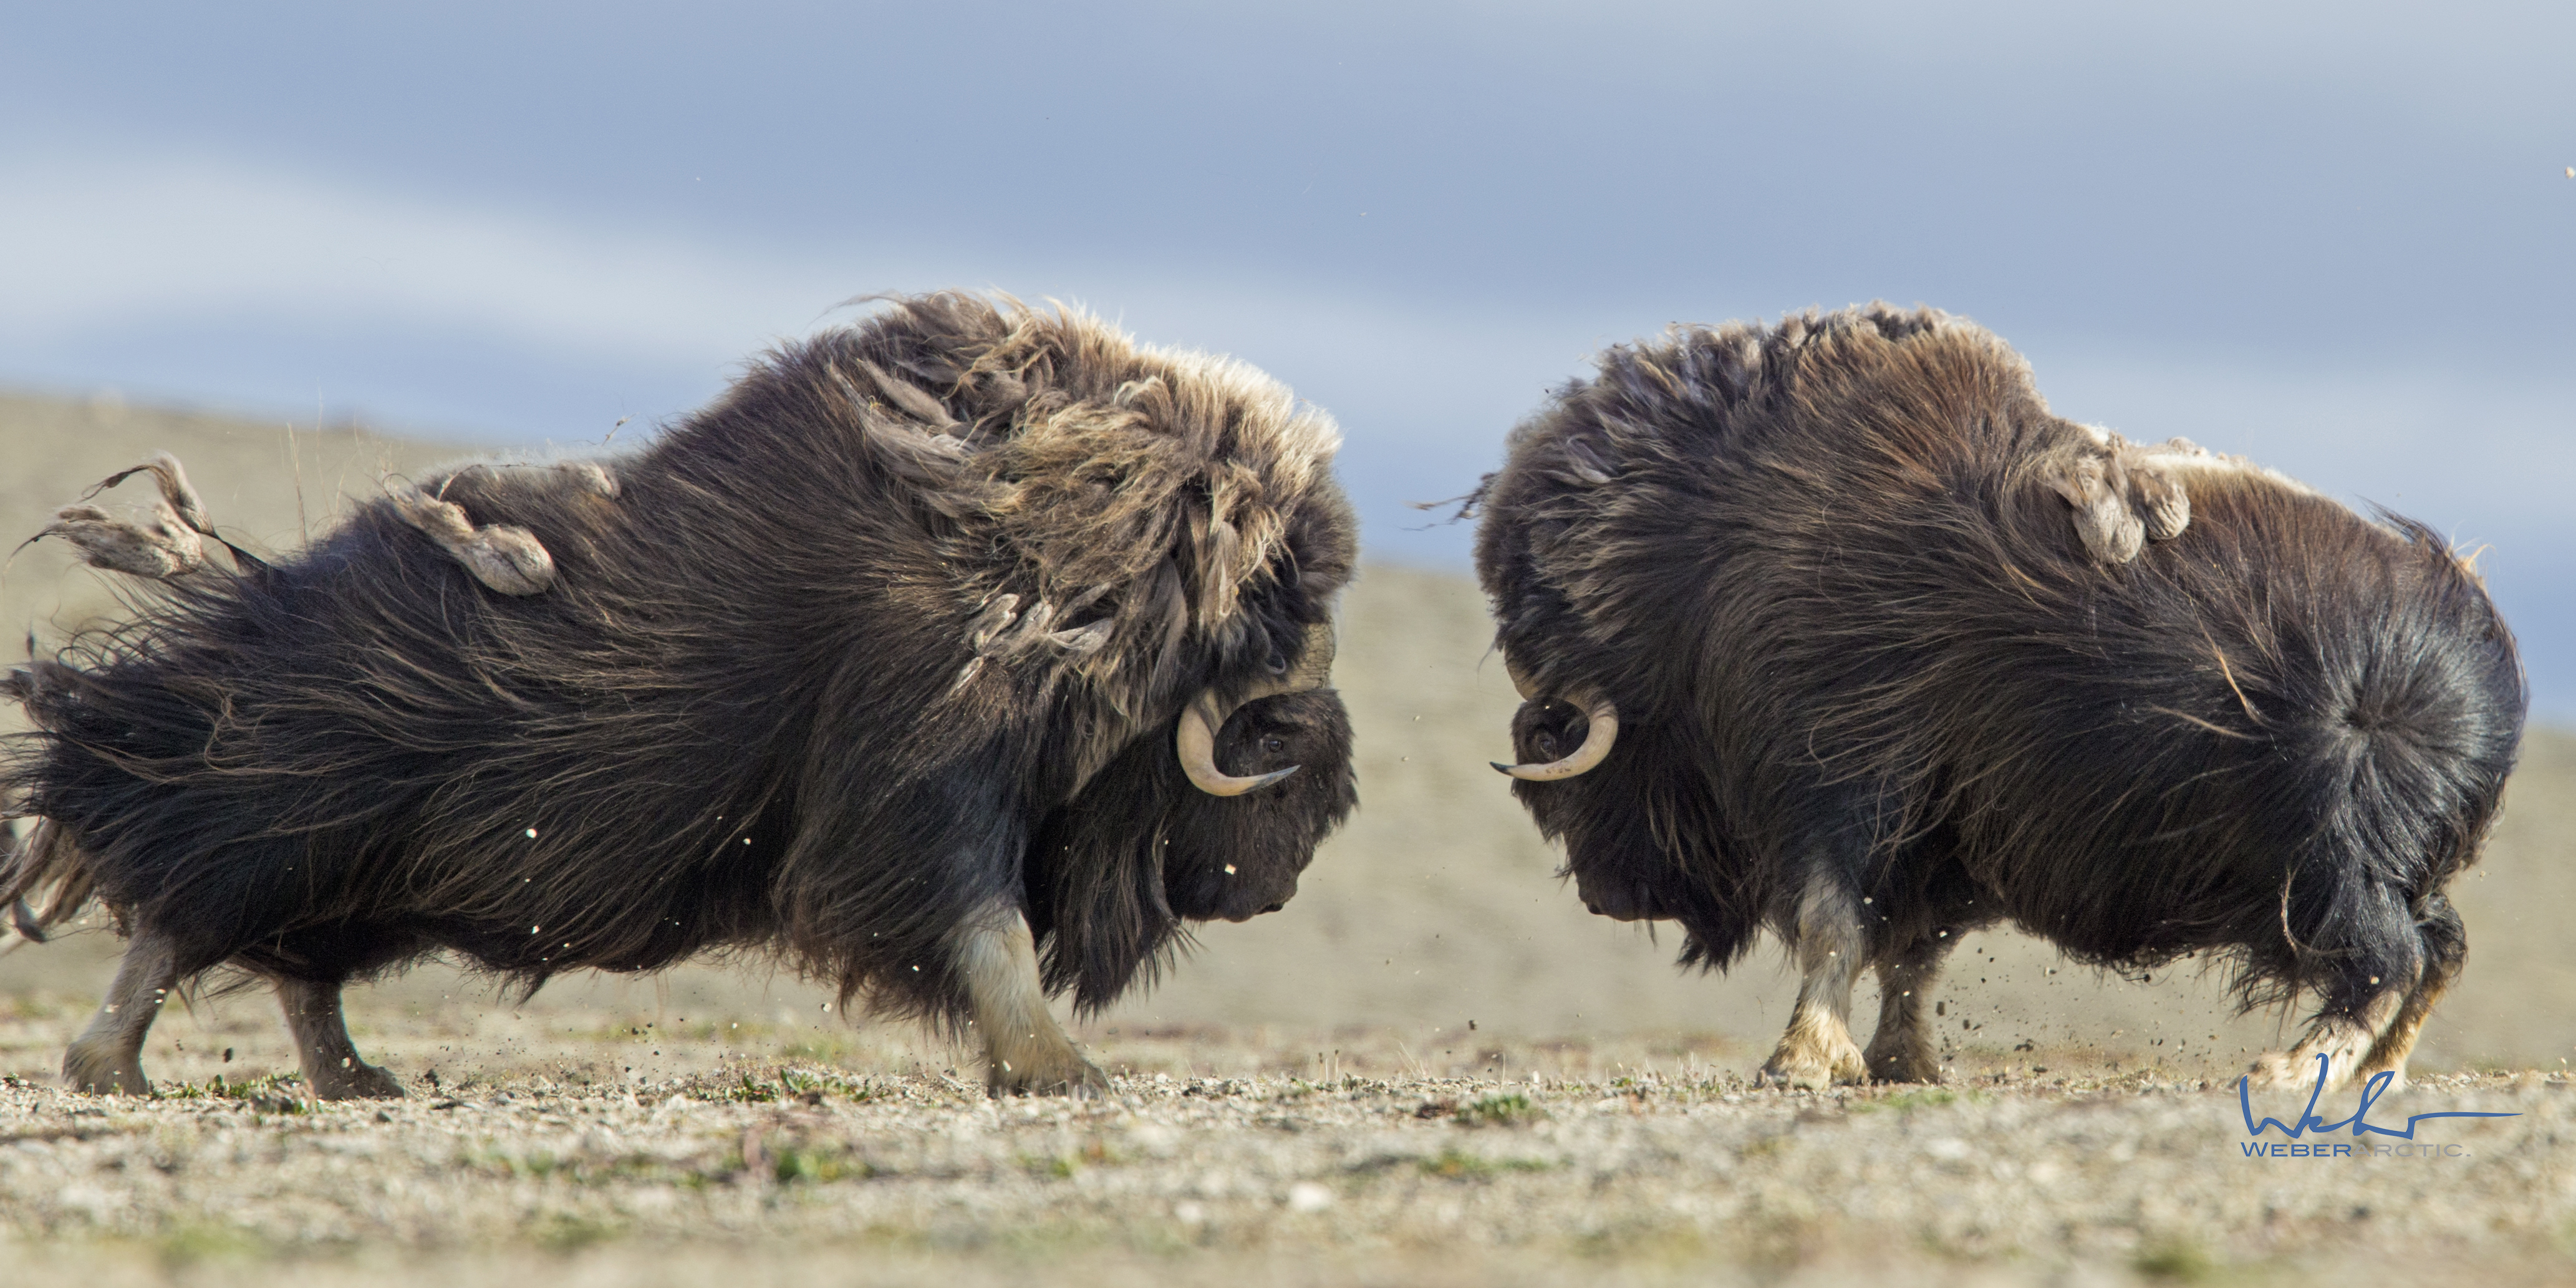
x,y
1238,859
1150,543
1613,834
1143,848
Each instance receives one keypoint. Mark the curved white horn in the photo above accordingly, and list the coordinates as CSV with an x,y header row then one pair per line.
x,y
1603,716
1196,742
1196,738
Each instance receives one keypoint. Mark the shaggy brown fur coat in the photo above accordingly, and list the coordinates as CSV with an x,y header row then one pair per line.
x,y
898,628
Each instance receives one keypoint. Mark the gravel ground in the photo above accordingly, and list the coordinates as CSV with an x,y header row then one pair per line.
x,y
1227,1156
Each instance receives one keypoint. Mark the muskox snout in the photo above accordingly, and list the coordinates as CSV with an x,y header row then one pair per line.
x,y
1239,916
1244,905
1619,899
1236,892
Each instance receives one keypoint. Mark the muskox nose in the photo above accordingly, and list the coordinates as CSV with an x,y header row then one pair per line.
x,y
1634,904
1276,906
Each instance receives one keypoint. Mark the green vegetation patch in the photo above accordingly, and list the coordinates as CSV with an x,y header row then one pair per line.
x,y
745,1087
2174,1261
1500,1109
277,1093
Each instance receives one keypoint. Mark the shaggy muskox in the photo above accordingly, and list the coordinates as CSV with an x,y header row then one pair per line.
x,y
1832,628
959,656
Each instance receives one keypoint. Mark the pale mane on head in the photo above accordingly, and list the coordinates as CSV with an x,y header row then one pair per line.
x,y
1112,501
1189,460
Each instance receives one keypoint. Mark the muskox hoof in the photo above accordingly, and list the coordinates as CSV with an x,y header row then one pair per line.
x,y
1902,1065
1068,1075
358,1081
1815,1065
104,1072
2296,1071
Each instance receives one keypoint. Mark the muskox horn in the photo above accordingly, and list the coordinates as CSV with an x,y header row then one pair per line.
x,y
1196,739
1602,715
1196,742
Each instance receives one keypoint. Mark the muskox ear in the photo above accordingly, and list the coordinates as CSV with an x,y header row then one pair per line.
x,y
1095,879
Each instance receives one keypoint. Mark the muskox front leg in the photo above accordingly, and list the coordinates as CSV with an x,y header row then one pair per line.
x,y
2376,1005
331,1064
1024,1050
107,1057
2382,963
2446,949
1902,1049
2349,1027
1818,1050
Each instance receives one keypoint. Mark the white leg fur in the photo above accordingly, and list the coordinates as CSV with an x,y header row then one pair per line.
x,y
1023,1048
2343,1040
331,1064
1817,1050
107,1057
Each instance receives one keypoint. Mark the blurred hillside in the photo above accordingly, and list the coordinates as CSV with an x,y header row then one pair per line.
x,y
1435,907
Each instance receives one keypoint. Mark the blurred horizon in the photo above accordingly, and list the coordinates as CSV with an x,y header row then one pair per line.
x,y
2335,238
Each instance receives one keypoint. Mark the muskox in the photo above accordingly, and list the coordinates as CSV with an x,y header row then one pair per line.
x,y
1832,628
958,657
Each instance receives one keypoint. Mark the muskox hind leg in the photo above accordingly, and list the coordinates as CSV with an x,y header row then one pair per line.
x,y
107,1057
1902,1049
1024,1050
331,1064
1818,1050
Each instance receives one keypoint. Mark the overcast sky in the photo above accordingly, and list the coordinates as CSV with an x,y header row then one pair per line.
x,y
2337,237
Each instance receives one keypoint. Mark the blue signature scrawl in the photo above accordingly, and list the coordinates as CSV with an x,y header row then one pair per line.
x,y
2377,1086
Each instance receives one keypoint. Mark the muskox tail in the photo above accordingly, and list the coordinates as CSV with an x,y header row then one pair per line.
x,y
40,863
44,860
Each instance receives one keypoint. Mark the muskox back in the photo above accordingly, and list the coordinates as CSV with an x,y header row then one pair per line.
x,y
887,661
1871,689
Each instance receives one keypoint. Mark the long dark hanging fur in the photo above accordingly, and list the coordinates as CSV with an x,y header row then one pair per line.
x,y
1119,894
814,672
1861,658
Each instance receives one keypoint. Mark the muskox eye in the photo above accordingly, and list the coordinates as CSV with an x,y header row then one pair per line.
x,y
1273,745
1278,663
